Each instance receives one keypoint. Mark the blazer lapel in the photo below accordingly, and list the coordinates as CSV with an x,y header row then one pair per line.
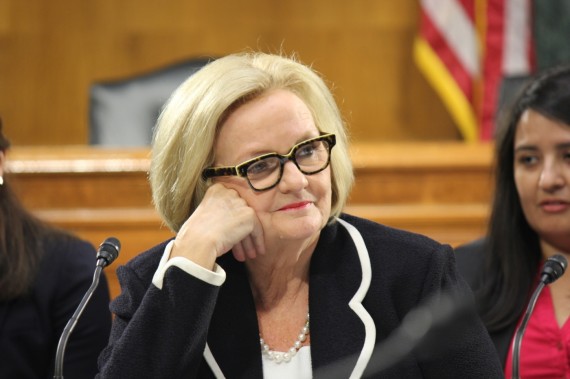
x,y
233,338
342,332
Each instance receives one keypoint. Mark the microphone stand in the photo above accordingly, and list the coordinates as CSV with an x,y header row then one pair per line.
x,y
58,370
522,328
554,268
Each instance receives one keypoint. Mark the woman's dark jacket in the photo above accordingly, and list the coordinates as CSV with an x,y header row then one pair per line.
x,y
364,279
470,259
30,326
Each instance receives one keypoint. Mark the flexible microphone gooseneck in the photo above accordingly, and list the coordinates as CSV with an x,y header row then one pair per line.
x,y
553,269
108,251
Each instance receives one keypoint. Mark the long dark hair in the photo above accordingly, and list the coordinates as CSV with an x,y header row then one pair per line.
x,y
513,249
21,240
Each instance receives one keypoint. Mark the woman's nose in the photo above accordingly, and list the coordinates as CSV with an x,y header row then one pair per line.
x,y
551,177
293,179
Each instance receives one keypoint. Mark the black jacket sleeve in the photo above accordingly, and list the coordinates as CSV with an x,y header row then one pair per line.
x,y
158,333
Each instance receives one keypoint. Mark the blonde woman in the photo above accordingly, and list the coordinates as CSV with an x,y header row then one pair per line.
x,y
266,276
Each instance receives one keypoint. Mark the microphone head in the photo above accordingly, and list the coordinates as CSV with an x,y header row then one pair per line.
x,y
554,268
109,250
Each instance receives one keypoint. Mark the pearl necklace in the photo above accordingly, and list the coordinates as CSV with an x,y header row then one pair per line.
x,y
278,356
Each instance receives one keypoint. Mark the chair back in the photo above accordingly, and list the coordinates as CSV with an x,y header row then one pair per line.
x,y
124,112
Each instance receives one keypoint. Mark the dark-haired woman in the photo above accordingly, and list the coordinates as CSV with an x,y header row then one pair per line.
x,y
44,273
530,221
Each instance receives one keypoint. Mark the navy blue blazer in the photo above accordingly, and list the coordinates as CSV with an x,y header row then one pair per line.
x,y
364,279
30,327
470,259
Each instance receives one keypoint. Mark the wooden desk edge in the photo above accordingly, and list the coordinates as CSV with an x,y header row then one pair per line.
x,y
402,156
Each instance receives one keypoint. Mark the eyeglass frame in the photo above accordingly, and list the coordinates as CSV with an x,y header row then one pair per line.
x,y
240,170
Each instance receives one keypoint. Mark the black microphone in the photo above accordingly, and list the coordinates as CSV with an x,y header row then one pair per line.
x,y
108,251
553,269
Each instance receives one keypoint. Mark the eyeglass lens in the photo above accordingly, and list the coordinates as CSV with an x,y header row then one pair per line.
x,y
310,157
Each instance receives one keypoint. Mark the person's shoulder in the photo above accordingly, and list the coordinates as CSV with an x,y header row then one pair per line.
x,y
59,245
67,264
469,258
471,253
472,248
389,236
146,263
402,256
399,250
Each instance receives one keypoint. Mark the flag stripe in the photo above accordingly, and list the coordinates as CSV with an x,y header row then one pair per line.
x,y
516,54
507,53
446,86
492,67
457,29
433,37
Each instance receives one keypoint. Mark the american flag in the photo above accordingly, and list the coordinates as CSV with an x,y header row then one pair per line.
x,y
465,48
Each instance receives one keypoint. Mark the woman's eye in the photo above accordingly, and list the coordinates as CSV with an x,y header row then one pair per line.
x,y
264,166
306,151
527,160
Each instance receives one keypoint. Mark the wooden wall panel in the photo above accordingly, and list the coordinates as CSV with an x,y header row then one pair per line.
x,y
51,51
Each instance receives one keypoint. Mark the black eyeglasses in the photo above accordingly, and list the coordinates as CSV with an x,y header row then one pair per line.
x,y
265,172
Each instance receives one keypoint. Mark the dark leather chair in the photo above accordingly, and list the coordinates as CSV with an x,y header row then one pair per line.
x,y
124,112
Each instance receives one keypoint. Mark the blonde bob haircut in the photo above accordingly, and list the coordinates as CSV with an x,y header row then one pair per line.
x,y
190,120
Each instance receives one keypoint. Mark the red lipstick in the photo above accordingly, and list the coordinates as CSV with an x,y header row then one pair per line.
x,y
298,205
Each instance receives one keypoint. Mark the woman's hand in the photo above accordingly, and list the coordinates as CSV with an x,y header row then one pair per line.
x,y
222,222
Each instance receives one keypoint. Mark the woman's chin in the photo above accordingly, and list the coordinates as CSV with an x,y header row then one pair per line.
x,y
299,229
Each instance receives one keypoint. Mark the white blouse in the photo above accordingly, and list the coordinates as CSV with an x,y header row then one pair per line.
x,y
299,367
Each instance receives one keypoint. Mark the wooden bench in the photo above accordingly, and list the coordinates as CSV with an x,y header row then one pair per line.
x,y
438,189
